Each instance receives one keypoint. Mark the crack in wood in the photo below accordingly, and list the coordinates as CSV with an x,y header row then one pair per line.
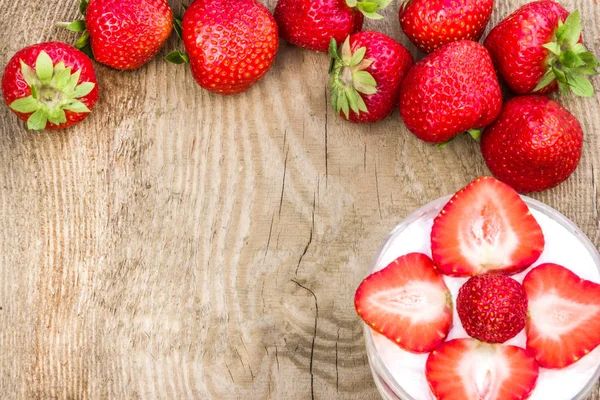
x,y
312,349
283,183
377,187
326,138
310,238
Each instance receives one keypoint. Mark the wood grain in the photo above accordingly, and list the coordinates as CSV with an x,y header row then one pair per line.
x,y
180,244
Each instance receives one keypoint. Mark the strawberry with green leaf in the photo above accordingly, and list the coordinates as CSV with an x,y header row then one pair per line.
x,y
123,34
230,44
311,24
366,74
539,48
50,85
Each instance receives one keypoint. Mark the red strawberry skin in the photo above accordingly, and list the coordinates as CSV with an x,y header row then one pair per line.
x,y
407,302
564,315
430,24
515,45
391,63
485,227
492,308
534,145
466,369
450,91
126,34
15,87
311,24
231,44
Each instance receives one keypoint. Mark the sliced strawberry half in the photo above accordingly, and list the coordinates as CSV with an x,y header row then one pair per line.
x,y
486,227
408,302
563,322
467,369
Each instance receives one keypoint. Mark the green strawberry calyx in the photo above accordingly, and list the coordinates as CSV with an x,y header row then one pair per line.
x,y
569,62
54,90
349,78
369,8
178,56
475,133
83,43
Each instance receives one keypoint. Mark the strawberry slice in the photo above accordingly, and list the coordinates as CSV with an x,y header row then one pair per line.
x,y
563,321
467,369
407,302
485,227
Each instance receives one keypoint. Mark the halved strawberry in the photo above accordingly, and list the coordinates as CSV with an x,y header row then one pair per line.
x,y
407,302
467,369
563,321
485,227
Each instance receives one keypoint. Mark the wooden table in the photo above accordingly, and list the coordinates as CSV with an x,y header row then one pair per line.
x,y
180,244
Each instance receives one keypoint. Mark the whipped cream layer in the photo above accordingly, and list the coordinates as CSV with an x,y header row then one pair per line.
x,y
562,247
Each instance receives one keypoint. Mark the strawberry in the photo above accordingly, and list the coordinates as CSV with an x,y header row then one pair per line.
x,y
564,315
538,48
466,369
485,227
231,44
123,34
535,144
407,302
430,24
366,75
452,90
492,308
312,24
50,85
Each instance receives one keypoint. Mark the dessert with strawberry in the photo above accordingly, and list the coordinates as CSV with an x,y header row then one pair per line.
x,y
312,24
539,48
524,322
366,73
230,45
123,34
430,24
50,85
452,90
534,145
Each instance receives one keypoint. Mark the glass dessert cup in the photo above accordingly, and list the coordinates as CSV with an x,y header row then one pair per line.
x,y
391,388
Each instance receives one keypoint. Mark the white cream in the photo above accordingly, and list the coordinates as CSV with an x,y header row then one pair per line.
x,y
562,247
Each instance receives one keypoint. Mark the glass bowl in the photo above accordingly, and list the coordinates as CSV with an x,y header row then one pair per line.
x,y
390,388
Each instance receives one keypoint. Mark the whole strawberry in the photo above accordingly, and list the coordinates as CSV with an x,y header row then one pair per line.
x,y
311,24
535,144
50,85
452,90
231,43
430,24
492,308
366,76
123,34
538,48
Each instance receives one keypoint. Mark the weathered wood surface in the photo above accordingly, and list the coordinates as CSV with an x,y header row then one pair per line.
x,y
181,245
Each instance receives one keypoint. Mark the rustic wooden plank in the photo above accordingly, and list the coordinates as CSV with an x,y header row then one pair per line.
x,y
180,244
